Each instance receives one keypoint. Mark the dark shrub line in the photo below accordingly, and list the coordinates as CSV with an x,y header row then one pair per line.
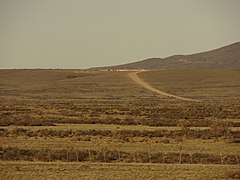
x,y
111,156
26,122
155,122
125,134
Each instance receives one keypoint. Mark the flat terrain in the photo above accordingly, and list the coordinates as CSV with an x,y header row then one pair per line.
x,y
38,170
144,84
104,125
205,85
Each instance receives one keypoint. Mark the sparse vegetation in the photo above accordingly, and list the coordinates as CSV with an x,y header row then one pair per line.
x,y
233,174
59,116
123,134
107,156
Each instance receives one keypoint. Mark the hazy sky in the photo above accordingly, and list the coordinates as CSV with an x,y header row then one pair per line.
x,y
87,33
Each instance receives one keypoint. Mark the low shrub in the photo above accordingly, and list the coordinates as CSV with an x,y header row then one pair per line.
x,y
233,174
123,134
109,156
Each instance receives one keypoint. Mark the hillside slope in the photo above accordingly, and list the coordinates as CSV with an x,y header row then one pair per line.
x,y
227,57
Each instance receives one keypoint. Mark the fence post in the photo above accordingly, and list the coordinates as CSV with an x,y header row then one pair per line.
x,y
49,156
237,159
221,158
18,153
104,155
34,155
119,157
67,155
149,156
76,154
134,157
206,159
89,153
191,160
163,156
180,155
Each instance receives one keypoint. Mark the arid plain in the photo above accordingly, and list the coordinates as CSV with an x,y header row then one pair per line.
x,y
69,124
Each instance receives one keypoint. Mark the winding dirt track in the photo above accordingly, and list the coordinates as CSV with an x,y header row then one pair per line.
x,y
144,84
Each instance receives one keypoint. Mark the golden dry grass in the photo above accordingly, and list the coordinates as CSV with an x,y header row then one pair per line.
x,y
38,170
135,144
203,84
112,127
66,96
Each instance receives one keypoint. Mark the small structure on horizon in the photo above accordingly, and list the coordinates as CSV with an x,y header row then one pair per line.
x,y
122,70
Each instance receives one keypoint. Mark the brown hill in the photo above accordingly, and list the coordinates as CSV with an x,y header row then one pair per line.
x,y
227,57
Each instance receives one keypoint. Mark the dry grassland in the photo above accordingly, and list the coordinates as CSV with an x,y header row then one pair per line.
x,y
38,170
68,124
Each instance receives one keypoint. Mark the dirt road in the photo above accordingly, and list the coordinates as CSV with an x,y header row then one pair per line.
x,y
144,84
